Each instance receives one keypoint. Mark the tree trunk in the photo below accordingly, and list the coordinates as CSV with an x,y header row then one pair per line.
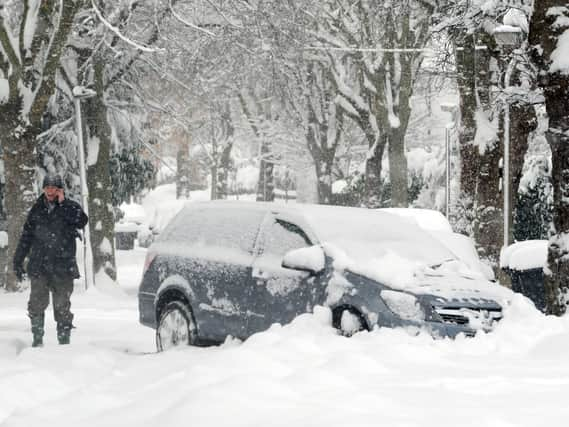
x,y
523,121
323,154
323,160
223,171
101,224
480,212
549,22
402,88
266,185
465,64
373,174
398,169
214,187
225,157
183,173
19,147
557,279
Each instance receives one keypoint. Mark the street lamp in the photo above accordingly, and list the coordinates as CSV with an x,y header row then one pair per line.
x,y
508,38
80,93
453,110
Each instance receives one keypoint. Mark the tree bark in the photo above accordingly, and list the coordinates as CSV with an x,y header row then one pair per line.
x,y
323,160
480,212
223,171
373,173
266,185
549,22
225,157
183,174
466,79
398,168
523,121
102,225
19,147
322,113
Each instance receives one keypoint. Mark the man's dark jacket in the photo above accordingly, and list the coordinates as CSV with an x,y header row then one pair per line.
x,y
49,238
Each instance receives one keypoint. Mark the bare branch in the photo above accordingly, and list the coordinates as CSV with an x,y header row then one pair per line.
x,y
119,34
6,42
187,23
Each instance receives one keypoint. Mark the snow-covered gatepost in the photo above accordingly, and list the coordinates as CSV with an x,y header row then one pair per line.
x,y
549,41
32,39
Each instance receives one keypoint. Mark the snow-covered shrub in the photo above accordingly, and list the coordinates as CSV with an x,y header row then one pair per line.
x,y
130,175
352,191
534,206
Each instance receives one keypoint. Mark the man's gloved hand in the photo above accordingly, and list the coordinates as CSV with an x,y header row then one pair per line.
x,y
20,273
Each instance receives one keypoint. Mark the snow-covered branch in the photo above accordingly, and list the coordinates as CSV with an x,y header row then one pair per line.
x,y
7,43
188,23
117,32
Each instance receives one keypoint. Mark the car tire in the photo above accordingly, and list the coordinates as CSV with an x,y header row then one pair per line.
x,y
176,326
348,321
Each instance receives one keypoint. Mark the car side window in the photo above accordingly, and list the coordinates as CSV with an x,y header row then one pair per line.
x,y
223,228
282,236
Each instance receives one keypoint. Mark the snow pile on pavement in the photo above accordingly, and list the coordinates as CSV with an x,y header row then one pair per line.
x,y
302,374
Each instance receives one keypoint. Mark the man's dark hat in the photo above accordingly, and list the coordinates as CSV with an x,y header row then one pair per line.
x,y
52,180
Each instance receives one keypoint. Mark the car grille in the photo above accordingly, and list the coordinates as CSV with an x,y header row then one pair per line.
x,y
483,318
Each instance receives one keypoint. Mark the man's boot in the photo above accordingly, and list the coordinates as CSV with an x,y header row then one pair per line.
x,y
63,333
37,330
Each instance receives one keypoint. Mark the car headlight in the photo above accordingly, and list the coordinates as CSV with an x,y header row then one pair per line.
x,y
405,305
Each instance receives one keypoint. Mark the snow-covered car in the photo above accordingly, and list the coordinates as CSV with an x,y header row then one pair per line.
x,y
226,268
436,224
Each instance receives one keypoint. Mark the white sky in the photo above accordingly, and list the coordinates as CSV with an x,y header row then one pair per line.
x,y
302,374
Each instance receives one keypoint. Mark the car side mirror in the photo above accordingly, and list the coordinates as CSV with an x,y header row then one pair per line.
x,y
309,259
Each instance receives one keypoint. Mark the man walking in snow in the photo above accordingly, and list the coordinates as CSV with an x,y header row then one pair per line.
x,y
49,237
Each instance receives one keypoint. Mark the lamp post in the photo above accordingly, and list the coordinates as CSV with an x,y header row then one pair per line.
x,y
453,110
508,38
80,93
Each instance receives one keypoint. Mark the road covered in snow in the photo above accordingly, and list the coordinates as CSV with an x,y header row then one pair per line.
x,y
301,374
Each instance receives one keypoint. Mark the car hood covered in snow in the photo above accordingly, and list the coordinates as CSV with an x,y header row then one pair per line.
x,y
398,254
365,234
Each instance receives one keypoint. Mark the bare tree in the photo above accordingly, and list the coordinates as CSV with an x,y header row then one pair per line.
x,y
375,50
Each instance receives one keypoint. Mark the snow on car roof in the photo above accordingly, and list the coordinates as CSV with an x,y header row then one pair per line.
x,y
364,234
427,219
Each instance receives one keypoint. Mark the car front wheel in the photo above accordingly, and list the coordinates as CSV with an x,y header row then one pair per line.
x,y
175,327
348,321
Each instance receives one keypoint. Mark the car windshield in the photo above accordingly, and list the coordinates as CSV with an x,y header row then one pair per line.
x,y
369,234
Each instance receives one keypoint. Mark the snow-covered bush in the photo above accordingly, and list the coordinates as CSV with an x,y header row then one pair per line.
x,y
534,207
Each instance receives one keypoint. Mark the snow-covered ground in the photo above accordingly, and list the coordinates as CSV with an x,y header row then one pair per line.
x,y
301,374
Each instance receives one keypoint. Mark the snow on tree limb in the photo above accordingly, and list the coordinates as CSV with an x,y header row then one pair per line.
x,y
8,43
187,23
28,25
119,34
